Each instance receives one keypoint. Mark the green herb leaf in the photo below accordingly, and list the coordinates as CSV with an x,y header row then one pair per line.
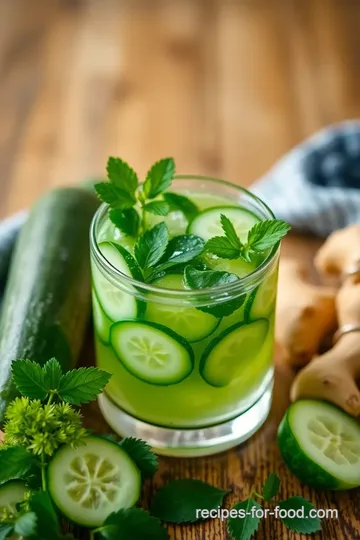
x,y
47,520
203,279
178,501
128,221
271,486
29,379
26,525
304,524
6,530
115,197
132,523
122,176
159,177
181,249
245,525
266,234
158,208
230,232
151,246
16,462
82,385
140,452
222,247
52,374
182,203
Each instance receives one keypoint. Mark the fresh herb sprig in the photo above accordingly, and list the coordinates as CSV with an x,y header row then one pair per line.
x,y
262,236
127,197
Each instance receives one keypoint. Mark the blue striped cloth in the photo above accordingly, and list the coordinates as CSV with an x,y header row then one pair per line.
x,y
316,186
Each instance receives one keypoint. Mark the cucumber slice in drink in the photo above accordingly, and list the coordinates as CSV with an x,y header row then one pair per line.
x,y
102,323
207,224
261,302
321,445
12,493
186,321
227,355
90,482
115,302
152,352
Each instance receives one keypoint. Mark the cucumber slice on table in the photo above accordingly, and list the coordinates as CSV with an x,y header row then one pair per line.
x,y
261,302
207,224
102,323
226,356
187,321
90,482
115,302
321,445
12,493
151,352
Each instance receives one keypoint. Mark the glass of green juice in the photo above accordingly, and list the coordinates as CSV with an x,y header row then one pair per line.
x,y
186,380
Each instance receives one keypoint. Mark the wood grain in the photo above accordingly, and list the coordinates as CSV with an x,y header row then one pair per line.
x,y
226,87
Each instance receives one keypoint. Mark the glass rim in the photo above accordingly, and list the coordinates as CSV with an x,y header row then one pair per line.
x,y
242,285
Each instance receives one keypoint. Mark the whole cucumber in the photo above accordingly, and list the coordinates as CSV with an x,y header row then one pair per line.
x,y
46,305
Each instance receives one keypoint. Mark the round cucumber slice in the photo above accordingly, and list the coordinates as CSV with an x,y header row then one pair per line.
x,y
186,321
102,323
321,445
90,482
12,493
225,357
261,302
152,352
116,303
207,224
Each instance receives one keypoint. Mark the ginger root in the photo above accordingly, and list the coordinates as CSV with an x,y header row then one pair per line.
x,y
305,313
340,253
335,375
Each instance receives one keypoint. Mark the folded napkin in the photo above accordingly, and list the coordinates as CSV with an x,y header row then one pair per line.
x,y
316,186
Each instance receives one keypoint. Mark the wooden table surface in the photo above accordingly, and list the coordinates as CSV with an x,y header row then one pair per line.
x,y
226,87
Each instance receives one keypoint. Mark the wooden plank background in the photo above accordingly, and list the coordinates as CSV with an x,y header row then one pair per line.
x,y
224,86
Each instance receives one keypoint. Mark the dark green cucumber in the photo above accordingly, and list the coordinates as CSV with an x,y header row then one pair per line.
x,y
47,298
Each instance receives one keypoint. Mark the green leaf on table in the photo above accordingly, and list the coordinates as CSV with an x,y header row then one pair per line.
x,y
221,247
82,385
6,530
266,234
271,486
48,525
158,208
304,524
141,453
182,203
131,524
128,220
122,176
26,524
115,197
159,178
151,246
29,379
52,374
178,501
245,525
16,462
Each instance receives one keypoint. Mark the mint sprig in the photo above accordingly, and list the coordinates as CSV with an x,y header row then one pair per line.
x,y
16,462
301,525
182,203
244,527
159,178
271,487
140,452
131,524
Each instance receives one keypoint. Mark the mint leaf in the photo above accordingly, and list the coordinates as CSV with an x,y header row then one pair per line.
x,y
204,279
52,374
128,220
158,208
29,379
159,178
47,520
182,203
245,525
230,232
122,176
132,523
6,530
140,452
182,249
271,486
222,247
26,525
151,246
82,385
303,524
178,501
115,197
266,234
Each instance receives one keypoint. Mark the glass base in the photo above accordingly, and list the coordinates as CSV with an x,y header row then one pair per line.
x,y
190,442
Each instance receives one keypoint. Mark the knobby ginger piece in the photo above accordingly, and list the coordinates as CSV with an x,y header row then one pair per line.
x,y
340,253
